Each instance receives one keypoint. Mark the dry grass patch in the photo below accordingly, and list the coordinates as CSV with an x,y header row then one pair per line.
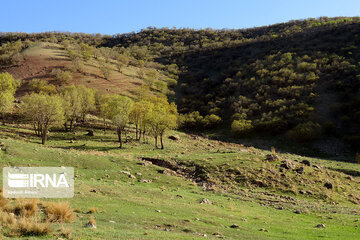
x,y
26,226
26,207
59,212
65,233
93,210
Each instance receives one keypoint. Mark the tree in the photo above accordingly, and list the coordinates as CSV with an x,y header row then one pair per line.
x,y
87,99
122,60
138,116
162,116
105,70
117,108
44,111
77,102
41,86
72,106
8,86
61,76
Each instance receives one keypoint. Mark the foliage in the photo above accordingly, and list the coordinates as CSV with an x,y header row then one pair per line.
x,y
8,86
77,102
241,127
162,116
41,86
305,132
118,108
61,76
44,111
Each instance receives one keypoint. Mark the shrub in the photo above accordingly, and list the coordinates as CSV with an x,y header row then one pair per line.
x,y
61,76
241,127
211,121
305,132
41,86
59,212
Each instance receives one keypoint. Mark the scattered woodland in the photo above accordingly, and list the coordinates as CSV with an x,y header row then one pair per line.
x,y
268,80
177,127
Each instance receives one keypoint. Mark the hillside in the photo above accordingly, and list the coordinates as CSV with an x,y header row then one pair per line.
x,y
195,188
258,129
275,76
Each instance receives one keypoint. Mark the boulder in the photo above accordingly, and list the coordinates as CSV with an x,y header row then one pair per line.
x,y
168,172
305,162
271,157
234,226
328,185
287,164
174,137
90,133
300,170
320,226
205,201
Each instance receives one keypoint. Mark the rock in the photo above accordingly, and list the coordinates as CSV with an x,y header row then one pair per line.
x,y
205,201
234,225
305,162
111,221
168,172
309,192
197,219
2,144
244,219
179,196
301,192
287,164
217,234
263,230
146,181
90,133
320,226
300,170
328,185
297,212
349,178
71,141
126,172
158,211
93,190
272,157
174,137
90,225
317,167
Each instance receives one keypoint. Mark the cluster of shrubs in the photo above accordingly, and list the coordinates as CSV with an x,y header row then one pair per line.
x,y
194,121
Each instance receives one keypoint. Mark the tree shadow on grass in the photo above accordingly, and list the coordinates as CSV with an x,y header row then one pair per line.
x,y
351,172
90,148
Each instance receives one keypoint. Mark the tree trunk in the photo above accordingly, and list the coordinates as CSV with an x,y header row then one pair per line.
x,y
3,118
119,136
43,137
71,125
104,125
156,142
65,126
161,141
136,130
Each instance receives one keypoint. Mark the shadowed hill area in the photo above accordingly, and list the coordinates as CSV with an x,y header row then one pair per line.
x,y
298,79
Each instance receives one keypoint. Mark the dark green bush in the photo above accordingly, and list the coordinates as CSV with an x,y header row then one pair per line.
x,y
305,132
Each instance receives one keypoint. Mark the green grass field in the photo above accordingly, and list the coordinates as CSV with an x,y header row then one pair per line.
x,y
153,205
